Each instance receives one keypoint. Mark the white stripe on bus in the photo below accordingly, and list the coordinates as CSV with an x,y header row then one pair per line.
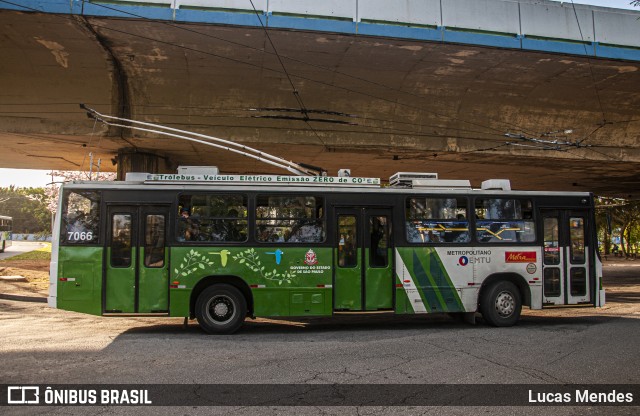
x,y
409,286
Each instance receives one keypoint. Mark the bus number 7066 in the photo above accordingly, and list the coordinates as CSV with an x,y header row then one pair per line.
x,y
79,235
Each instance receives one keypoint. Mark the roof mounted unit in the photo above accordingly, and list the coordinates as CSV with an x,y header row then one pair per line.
x,y
136,176
496,184
441,183
407,178
198,170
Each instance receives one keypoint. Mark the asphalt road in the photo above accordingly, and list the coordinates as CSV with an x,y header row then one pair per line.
x,y
43,345
19,247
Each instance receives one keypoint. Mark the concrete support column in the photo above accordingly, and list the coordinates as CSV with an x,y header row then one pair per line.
x,y
138,160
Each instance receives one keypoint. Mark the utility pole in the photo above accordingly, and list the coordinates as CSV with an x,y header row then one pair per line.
x,y
53,216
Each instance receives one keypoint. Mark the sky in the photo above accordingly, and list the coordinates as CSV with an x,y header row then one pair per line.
x,y
620,4
39,178
24,178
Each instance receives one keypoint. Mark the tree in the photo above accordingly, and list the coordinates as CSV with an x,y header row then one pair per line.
x,y
622,216
52,192
603,223
27,207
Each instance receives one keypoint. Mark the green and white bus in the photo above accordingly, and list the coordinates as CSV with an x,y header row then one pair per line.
x,y
6,226
221,248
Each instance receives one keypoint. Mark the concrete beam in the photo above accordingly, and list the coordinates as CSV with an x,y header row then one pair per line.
x,y
374,104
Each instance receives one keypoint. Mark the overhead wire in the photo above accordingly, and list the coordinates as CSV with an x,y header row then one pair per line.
x,y
296,93
586,53
197,138
380,129
366,119
295,75
95,123
395,102
300,76
438,155
333,70
604,121
395,130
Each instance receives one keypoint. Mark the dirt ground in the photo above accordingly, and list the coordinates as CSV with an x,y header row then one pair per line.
x,y
35,271
561,346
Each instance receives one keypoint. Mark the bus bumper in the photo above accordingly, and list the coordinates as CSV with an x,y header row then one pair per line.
x,y
52,299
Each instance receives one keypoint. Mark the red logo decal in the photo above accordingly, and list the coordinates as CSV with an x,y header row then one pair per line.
x,y
310,258
520,257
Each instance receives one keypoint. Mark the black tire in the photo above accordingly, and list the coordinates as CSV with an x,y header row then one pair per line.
x,y
221,309
501,304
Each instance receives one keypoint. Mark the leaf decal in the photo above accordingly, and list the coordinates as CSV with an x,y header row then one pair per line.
x,y
251,259
192,262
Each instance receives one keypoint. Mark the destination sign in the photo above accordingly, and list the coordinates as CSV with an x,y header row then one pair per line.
x,y
264,179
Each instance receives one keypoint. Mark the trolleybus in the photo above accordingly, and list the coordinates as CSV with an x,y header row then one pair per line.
x,y
221,248
6,226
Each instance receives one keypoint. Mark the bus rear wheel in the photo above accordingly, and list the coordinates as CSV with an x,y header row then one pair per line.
x,y
501,304
221,309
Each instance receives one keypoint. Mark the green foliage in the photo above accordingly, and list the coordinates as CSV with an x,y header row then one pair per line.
x,y
618,218
27,207
191,263
251,259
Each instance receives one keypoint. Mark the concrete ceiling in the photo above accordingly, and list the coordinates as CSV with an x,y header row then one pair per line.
x,y
374,105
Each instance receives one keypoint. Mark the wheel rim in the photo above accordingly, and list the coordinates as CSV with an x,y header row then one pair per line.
x,y
221,309
505,304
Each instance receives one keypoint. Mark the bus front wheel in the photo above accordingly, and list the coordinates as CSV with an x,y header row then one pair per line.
x,y
501,304
221,309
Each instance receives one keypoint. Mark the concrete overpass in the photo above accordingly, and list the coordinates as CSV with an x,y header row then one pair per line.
x,y
377,86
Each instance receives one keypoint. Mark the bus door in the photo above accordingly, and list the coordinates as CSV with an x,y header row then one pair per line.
x,y
566,259
136,263
363,261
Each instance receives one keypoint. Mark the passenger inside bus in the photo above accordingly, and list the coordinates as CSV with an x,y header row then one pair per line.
x,y
233,229
188,229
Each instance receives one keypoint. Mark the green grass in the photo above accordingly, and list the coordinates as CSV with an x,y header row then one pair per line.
x,y
43,253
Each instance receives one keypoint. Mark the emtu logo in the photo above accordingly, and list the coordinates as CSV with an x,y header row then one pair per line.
x,y
463,260
23,395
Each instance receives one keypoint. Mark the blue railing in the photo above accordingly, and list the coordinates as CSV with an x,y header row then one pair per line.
x,y
516,24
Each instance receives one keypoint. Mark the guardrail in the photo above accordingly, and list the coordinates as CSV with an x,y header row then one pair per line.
x,y
30,237
521,24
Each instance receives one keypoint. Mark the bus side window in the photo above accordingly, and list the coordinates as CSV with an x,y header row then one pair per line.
x,y
121,240
290,219
214,218
378,241
154,244
347,244
502,220
437,220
